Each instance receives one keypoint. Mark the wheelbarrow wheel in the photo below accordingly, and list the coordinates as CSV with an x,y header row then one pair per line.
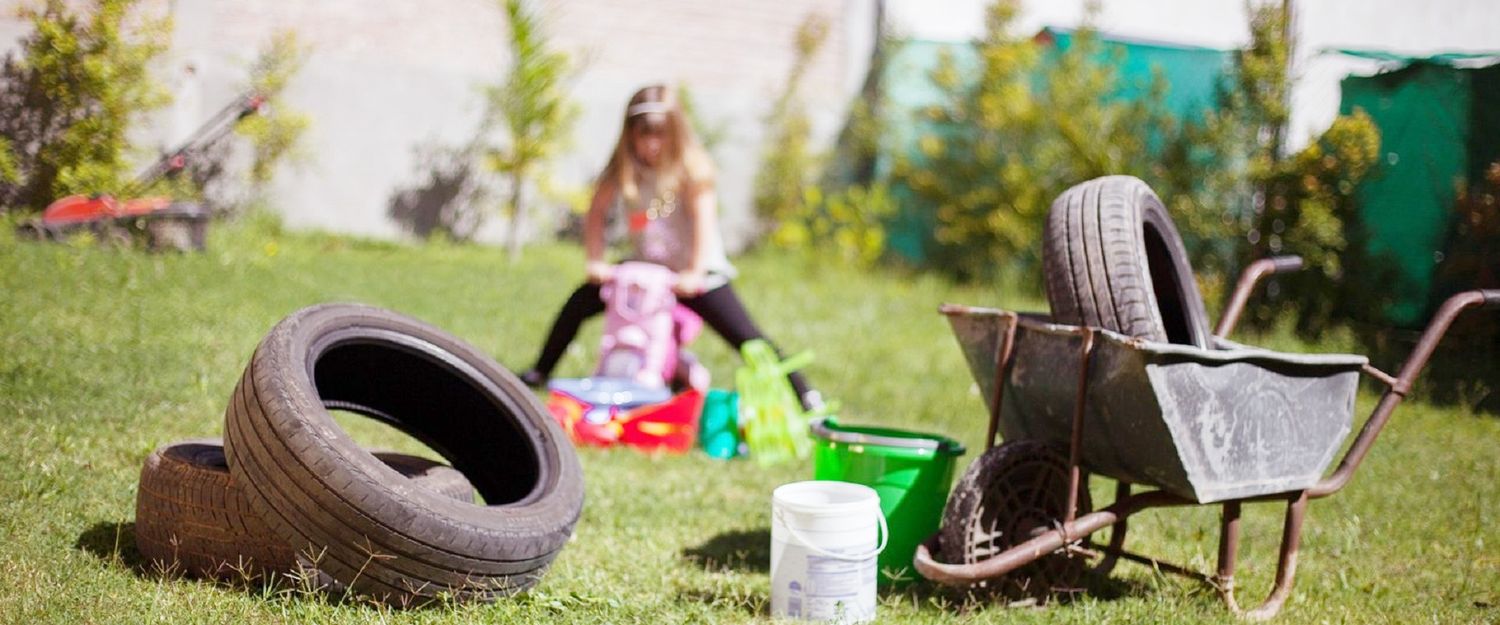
x,y
1010,494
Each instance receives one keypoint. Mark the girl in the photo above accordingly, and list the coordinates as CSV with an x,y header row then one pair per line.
x,y
665,183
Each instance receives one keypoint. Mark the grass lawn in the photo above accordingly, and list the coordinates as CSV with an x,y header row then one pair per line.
x,y
106,354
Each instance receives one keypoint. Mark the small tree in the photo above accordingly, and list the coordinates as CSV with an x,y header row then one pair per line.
x,y
1300,203
274,134
789,164
1013,134
68,102
710,134
9,173
531,105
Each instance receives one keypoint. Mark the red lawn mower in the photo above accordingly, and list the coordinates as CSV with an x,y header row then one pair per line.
x,y
167,222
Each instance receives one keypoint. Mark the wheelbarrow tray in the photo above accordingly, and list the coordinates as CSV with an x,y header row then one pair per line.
x,y
1206,424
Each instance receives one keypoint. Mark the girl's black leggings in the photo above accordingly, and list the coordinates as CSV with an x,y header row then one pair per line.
x,y
720,308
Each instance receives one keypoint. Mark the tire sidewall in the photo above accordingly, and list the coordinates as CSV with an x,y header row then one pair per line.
x,y
536,526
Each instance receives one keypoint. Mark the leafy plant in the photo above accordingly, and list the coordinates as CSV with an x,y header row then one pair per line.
x,y
68,101
1300,203
847,225
710,134
534,109
789,161
843,222
274,134
9,173
1013,133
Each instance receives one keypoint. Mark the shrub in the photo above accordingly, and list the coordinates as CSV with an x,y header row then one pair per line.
x,y
789,162
839,220
68,102
1010,138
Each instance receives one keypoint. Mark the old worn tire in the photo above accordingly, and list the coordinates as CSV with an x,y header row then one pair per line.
x,y
191,517
324,495
1112,259
1013,490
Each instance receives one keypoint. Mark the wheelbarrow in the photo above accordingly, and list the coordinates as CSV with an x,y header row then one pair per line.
x,y
1224,426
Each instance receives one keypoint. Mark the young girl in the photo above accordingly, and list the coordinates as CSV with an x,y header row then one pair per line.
x,y
665,183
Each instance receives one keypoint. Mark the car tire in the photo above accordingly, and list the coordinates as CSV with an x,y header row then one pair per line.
x,y
324,495
1113,259
191,517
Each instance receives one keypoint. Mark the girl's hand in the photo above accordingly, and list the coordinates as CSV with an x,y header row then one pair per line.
x,y
689,284
598,271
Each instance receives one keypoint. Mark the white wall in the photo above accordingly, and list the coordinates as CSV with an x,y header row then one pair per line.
x,y
387,79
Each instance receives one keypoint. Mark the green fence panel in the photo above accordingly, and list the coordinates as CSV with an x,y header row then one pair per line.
x,y
1405,204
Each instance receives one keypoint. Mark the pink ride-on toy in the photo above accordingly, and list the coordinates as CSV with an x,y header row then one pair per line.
x,y
628,400
646,329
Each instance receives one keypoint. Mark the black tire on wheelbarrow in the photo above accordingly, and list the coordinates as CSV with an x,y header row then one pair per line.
x,y
1011,492
1113,259
375,536
191,517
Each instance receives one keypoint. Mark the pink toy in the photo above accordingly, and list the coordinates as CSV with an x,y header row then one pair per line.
x,y
645,329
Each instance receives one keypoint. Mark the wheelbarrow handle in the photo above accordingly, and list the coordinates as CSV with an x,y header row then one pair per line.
x,y
1286,264
1402,383
1248,278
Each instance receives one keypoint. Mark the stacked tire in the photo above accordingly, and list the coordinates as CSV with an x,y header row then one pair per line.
x,y
193,517
1113,259
355,521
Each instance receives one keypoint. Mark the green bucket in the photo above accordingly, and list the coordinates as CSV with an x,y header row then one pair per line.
x,y
911,472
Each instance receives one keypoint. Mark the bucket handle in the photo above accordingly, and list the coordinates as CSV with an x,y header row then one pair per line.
x,y
885,535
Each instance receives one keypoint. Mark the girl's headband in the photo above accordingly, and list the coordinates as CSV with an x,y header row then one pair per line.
x,y
647,108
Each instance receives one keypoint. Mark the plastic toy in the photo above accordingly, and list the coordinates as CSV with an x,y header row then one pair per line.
x,y
628,400
774,423
645,329
610,411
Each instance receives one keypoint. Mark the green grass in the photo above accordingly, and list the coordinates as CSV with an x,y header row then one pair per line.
x,y
106,354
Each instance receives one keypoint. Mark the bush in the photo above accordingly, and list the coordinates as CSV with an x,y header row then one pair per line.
x,y
274,134
1010,139
68,102
839,220
789,162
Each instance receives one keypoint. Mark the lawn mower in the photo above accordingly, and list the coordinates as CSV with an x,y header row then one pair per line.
x,y
167,222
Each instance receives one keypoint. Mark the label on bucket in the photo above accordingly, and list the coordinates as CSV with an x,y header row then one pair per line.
x,y
832,589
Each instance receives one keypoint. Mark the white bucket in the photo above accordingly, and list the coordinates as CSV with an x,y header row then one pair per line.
x,y
824,539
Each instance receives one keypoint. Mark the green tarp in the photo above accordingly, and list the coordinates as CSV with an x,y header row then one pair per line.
x,y
1439,127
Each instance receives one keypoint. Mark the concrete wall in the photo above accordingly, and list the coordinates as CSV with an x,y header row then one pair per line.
x,y
386,83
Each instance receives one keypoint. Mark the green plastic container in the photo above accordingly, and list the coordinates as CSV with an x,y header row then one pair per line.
x,y
911,471
719,428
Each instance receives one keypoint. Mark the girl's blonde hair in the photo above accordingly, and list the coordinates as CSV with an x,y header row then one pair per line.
x,y
683,164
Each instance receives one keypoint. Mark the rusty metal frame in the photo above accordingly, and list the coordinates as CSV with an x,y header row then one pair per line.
x,y
1074,531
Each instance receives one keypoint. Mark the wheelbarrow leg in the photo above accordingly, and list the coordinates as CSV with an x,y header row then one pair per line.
x,y
1286,565
1116,536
